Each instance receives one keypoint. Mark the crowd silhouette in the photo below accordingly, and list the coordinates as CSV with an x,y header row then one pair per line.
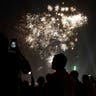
x,y
59,83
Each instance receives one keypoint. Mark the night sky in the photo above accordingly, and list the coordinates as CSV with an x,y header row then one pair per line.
x,y
12,10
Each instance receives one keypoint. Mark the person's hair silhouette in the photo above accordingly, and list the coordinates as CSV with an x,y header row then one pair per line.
x,y
74,74
41,81
59,61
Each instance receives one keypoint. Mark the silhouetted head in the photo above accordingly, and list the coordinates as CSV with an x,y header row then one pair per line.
x,y
25,84
85,78
41,80
92,79
74,74
59,61
48,77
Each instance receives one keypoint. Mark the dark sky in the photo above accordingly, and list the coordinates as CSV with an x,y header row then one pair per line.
x,y
11,10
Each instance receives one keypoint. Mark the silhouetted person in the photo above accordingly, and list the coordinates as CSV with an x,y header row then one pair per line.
x,y
47,84
3,67
88,88
48,77
60,82
40,91
25,89
93,81
78,84
16,62
32,86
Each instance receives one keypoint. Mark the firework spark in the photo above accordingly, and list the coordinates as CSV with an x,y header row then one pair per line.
x,y
52,31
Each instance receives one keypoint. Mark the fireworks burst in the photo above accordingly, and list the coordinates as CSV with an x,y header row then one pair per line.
x,y
53,31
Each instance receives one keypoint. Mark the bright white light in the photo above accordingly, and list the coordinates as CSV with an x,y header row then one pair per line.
x,y
57,8
62,8
76,39
50,8
75,68
72,9
29,73
43,19
89,75
64,47
49,60
66,8
63,3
